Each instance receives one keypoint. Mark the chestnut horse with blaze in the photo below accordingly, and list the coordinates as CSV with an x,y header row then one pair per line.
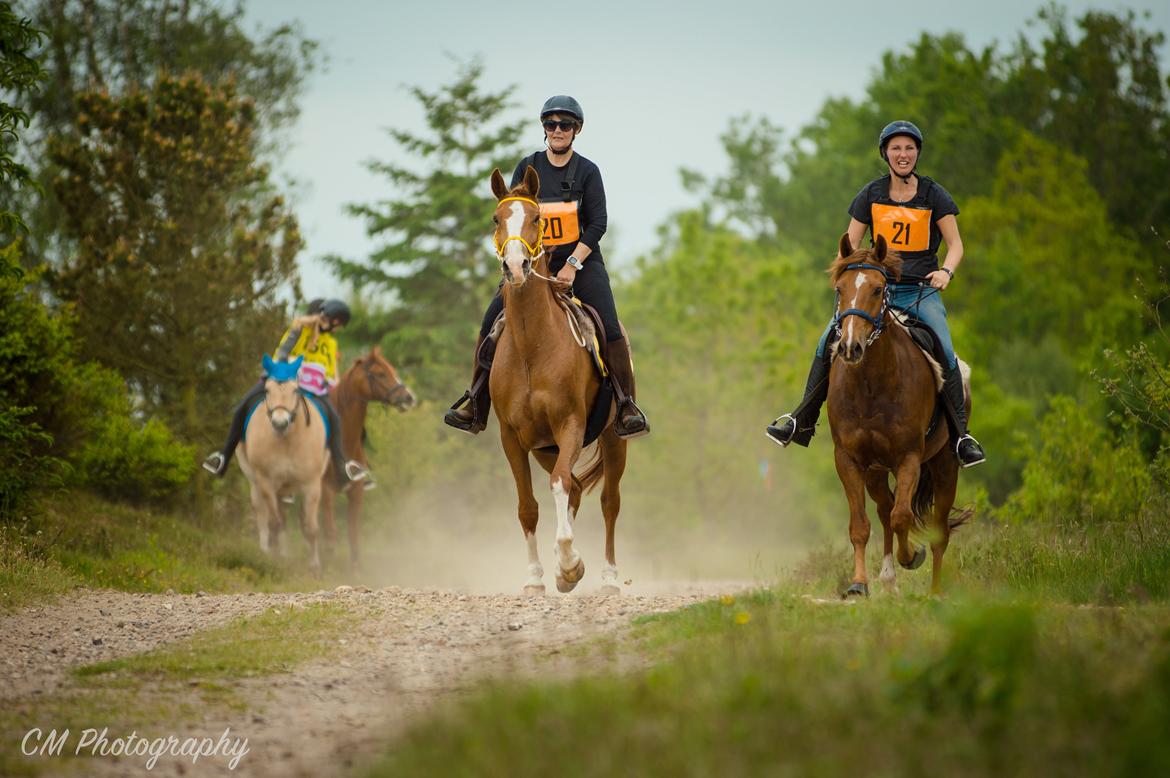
x,y
371,379
543,385
882,396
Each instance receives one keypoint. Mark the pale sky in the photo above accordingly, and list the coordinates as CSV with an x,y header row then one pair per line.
x,y
659,82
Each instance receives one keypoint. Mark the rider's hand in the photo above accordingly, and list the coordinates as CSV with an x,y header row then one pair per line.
x,y
566,275
939,279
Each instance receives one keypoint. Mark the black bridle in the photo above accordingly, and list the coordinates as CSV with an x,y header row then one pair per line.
x,y
878,321
298,403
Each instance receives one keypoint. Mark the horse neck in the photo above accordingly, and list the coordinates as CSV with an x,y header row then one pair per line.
x,y
351,407
532,315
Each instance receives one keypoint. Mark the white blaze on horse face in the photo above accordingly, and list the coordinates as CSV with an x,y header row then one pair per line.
x,y
514,251
567,557
857,284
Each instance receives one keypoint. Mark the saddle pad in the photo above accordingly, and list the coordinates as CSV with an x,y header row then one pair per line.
x,y
313,399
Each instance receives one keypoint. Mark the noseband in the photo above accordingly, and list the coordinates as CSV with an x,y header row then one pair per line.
x,y
878,321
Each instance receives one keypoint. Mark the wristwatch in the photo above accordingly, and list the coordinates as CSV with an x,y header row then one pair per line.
x,y
948,271
575,262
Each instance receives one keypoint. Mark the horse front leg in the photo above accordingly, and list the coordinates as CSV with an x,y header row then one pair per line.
x,y
570,566
853,480
353,521
260,513
328,522
311,502
877,483
527,509
902,517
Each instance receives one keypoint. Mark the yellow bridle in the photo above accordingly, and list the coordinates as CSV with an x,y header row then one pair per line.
x,y
533,251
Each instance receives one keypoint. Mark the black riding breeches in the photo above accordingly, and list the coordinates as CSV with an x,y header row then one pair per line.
x,y
591,286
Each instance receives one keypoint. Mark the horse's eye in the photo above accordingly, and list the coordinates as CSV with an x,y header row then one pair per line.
x,y
495,220
536,219
879,290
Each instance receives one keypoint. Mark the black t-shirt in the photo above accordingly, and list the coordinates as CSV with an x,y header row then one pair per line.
x,y
587,191
910,228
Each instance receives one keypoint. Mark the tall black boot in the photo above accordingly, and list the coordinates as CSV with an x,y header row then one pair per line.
x,y
967,449
217,462
630,421
470,412
800,425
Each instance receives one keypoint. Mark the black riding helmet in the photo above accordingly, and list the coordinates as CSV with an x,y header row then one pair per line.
x,y
335,310
563,104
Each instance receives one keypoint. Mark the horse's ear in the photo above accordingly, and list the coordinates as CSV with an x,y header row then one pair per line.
x,y
377,350
879,249
499,188
532,182
845,247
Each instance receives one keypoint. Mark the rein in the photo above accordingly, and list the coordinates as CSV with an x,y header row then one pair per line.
x,y
878,321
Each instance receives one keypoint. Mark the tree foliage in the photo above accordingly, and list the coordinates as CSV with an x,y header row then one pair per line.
x,y
434,260
182,248
20,72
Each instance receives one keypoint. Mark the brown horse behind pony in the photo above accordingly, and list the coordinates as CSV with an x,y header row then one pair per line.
x,y
882,396
543,385
371,379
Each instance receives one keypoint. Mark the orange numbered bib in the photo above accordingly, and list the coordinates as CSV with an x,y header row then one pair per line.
x,y
905,229
560,223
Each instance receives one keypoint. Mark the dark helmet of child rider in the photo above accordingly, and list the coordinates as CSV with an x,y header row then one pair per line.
x,y
335,311
894,129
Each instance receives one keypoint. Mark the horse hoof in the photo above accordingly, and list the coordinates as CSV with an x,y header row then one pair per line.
x,y
856,590
534,591
919,558
565,583
609,590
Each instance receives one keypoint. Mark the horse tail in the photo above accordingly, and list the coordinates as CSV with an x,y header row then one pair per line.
x,y
592,473
923,502
960,516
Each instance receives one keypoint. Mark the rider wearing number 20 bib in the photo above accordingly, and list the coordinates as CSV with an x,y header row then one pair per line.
x,y
572,203
914,214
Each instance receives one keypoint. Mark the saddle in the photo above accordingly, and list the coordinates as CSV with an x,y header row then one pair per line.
x,y
584,322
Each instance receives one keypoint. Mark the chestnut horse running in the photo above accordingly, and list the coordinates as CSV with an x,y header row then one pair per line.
x,y
882,396
371,379
542,386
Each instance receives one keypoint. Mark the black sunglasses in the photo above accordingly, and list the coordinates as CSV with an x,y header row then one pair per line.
x,y
565,126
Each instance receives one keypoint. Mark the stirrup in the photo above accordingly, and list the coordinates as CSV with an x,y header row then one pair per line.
x,y
214,463
640,427
982,457
775,427
368,482
355,470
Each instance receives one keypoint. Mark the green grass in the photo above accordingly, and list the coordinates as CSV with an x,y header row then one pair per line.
x,y
1027,668
154,692
81,540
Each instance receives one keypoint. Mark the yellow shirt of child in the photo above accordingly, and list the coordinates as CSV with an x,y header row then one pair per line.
x,y
318,373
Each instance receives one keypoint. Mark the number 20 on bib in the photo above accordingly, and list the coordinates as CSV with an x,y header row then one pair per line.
x,y
905,229
560,223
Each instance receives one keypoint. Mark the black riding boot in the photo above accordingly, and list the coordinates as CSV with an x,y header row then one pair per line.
x,y
470,412
630,421
800,425
216,463
967,449
345,471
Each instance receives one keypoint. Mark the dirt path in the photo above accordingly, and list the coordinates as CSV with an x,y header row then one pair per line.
x,y
412,648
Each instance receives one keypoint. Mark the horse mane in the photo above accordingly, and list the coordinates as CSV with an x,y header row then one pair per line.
x,y
892,263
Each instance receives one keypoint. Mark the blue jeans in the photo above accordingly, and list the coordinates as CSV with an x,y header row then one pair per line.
x,y
929,309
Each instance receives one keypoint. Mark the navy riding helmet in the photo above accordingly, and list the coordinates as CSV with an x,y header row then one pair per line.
x,y
900,127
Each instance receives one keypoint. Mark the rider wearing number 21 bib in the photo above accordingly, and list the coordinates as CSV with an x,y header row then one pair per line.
x,y
572,204
914,214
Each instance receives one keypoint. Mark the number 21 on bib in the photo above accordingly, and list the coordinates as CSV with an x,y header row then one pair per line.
x,y
905,229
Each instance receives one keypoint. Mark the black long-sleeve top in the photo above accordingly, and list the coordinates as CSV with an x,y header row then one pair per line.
x,y
587,190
